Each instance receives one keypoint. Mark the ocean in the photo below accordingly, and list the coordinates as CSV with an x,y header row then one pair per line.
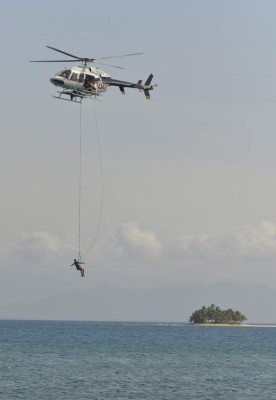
x,y
119,360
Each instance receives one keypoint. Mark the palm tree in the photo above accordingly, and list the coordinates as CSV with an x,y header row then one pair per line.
x,y
215,315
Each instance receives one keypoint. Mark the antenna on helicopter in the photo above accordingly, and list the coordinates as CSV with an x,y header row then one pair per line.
x,y
85,60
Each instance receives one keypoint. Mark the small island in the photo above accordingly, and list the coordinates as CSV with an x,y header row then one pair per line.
x,y
214,315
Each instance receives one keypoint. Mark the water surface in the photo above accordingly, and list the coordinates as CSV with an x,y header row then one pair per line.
x,y
110,360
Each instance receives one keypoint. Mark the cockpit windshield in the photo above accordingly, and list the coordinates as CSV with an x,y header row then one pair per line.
x,y
65,74
72,75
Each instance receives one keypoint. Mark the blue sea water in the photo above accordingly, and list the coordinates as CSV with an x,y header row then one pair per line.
x,y
110,360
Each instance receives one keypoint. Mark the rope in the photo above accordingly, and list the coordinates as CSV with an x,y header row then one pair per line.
x,y
80,171
101,178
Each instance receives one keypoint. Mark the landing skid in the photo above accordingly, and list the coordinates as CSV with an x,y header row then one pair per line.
x,y
75,96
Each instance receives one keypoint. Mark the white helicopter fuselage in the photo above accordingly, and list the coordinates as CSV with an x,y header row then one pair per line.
x,y
87,82
81,78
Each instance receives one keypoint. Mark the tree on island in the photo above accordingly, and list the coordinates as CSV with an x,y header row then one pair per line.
x,y
214,315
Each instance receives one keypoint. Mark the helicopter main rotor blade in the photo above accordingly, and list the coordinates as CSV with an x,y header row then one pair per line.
x,y
63,52
64,61
85,60
123,55
109,65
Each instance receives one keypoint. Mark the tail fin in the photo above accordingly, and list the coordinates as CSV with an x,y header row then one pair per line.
x,y
122,89
147,94
148,81
148,86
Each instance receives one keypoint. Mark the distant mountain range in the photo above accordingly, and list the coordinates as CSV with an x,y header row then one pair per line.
x,y
168,304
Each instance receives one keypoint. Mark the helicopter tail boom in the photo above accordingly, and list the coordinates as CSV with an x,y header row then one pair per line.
x,y
146,87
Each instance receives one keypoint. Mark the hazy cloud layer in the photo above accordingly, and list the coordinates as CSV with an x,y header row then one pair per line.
x,y
38,246
133,240
251,242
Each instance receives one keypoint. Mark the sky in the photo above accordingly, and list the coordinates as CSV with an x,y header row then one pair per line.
x,y
189,176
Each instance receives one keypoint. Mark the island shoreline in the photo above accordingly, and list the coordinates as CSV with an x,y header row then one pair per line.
x,y
239,325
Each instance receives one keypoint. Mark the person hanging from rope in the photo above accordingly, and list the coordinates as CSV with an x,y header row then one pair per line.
x,y
78,266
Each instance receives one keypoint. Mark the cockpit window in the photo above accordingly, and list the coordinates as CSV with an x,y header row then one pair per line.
x,y
65,74
81,78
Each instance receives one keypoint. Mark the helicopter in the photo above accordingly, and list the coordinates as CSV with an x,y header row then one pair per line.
x,y
81,82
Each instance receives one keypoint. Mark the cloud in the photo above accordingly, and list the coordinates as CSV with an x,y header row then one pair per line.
x,y
250,243
38,246
132,240
257,241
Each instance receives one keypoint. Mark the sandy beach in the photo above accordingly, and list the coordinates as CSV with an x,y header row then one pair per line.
x,y
241,325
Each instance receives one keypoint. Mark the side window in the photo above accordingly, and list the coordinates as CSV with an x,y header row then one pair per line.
x,y
81,78
74,76
67,74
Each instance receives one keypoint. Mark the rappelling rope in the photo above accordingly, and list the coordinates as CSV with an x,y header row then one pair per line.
x,y
101,179
80,171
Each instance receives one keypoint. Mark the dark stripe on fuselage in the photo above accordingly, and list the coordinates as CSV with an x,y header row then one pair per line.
x,y
57,82
115,82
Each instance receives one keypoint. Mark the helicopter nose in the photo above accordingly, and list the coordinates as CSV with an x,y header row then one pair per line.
x,y
57,82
